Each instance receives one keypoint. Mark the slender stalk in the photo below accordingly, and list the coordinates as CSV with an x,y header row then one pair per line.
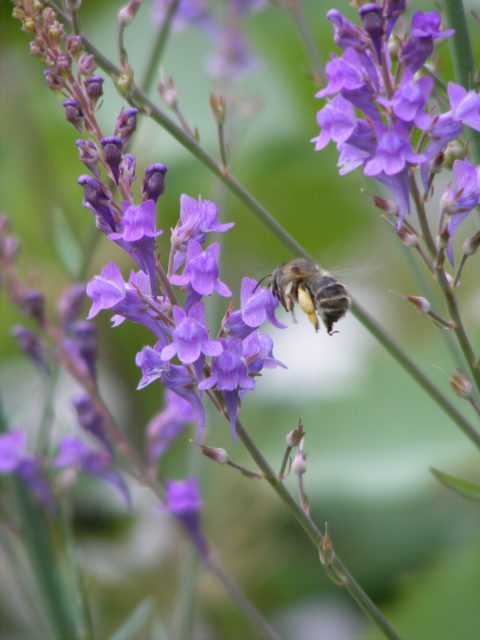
x,y
185,599
316,64
155,57
448,293
315,535
265,629
138,99
463,60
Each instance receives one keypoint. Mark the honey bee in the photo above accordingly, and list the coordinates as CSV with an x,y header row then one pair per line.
x,y
316,291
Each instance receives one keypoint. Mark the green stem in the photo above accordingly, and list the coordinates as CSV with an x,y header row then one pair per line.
x,y
315,535
185,602
316,64
463,59
138,99
155,56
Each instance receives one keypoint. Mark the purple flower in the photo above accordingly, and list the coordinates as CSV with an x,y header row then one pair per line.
x,y
258,353
153,184
410,99
12,450
425,29
184,503
393,154
342,73
89,154
112,152
337,121
465,105
345,33
257,304
201,270
460,198
138,222
91,420
167,425
97,198
132,300
190,336
197,218
174,377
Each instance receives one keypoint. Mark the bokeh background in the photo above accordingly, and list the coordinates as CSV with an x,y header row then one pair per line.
x,y
371,432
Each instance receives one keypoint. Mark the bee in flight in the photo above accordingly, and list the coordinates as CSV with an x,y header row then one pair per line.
x,y
315,290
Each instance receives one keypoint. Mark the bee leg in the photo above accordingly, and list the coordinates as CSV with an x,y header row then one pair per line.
x,y
308,306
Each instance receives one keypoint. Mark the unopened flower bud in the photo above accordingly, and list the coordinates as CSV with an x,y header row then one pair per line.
x,y
443,239
153,184
74,45
28,26
422,304
389,206
372,21
64,63
86,65
126,123
407,237
56,31
48,16
219,108
128,12
112,151
38,48
470,246
33,304
215,453
94,87
460,384
168,93
54,80
299,464
294,437
89,154
74,113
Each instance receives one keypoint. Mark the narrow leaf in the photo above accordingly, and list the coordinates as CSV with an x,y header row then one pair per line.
x,y
134,622
467,489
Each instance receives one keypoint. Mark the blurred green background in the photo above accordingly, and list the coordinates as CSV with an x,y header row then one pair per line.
x,y
371,433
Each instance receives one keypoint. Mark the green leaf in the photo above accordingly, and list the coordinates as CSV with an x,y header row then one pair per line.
x,y
135,621
468,490
67,247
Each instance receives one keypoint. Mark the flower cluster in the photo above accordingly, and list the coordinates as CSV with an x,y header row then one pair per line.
x,y
383,117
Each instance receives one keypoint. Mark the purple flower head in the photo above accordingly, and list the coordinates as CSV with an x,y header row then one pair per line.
x,y
184,503
91,420
89,154
167,425
176,378
190,336
73,452
465,105
409,101
425,29
345,33
460,198
342,73
258,304
98,199
31,344
394,152
153,184
126,124
197,218
360,146
12,450
337,121
74,113
112,152
129,300
444,129
201,271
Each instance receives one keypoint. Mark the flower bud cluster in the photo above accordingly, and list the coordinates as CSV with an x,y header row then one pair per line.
x,y
378,106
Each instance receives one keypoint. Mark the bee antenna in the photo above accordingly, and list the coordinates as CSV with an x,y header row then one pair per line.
x,y
261,280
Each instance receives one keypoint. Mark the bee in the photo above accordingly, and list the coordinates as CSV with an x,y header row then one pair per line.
x,y
316,291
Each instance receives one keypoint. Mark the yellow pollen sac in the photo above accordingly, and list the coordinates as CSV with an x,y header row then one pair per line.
x,y
305,301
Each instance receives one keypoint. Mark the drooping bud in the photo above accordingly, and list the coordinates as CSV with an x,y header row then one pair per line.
x,y
372,21
294,437
54,80
31,344
94,87
470,246
89,154
215,453
74,113
460,384
126,123
153,184
112,151
127,12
